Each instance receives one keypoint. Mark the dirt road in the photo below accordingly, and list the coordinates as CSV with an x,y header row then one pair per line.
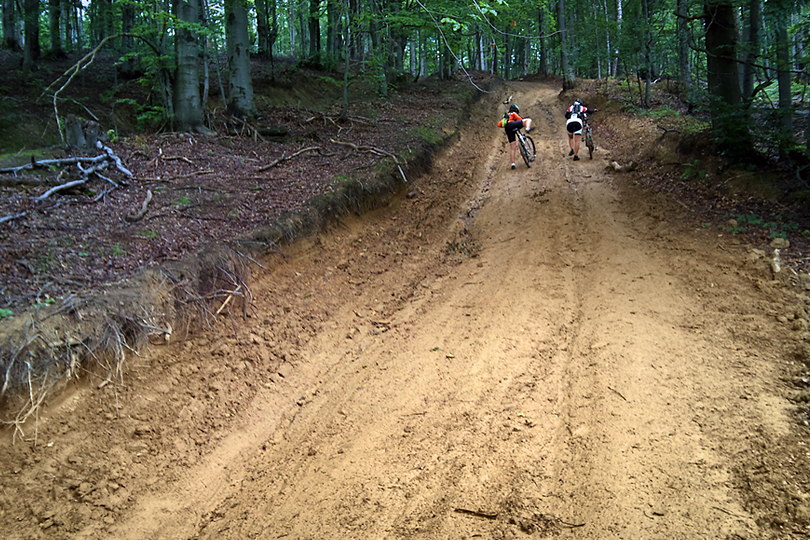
x,y
499,354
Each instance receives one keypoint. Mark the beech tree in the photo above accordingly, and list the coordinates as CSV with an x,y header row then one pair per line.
x,y
240,98
735,59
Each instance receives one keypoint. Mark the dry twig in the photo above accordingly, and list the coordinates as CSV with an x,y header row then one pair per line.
x,y
142,212
373,150
282,159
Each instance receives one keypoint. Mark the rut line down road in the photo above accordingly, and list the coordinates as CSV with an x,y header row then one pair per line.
x,y
505,353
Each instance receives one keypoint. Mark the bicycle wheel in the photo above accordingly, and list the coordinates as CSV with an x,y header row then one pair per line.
x,y
589,142
524,151
530,147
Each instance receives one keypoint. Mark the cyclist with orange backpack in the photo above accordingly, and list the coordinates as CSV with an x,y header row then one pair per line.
x,y
512,122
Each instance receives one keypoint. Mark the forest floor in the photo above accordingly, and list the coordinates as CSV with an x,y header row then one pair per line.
x,y
554,351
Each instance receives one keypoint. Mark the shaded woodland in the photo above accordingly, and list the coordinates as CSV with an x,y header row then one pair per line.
x,y
743,63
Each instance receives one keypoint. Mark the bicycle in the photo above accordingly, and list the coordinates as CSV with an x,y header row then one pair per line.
x,y
587,137
526,145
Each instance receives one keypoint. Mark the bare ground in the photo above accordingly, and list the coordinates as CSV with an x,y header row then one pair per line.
x,y
544,352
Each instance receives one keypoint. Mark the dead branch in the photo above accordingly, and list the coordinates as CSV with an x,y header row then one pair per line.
x,y
227,300
61,187
373,150
142,211
14,216
83,63
617,392
667,130
477,513
118,163
282,159
45,163
177,158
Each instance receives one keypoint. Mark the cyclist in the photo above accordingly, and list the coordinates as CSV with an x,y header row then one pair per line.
x,y
573,125
511,123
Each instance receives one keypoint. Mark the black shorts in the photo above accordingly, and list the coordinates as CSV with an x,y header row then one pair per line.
x,y
511,128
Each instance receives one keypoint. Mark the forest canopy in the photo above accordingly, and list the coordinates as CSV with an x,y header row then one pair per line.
x,y
743,63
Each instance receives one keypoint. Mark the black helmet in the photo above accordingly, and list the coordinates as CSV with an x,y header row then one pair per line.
x,y
578,102
514,108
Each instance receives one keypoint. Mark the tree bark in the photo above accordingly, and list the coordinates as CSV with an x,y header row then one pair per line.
x,y
55,27
31,49
240,100
263,29
188,111
314,25
11,37
684,66
783,76
752,46
569,79
729,121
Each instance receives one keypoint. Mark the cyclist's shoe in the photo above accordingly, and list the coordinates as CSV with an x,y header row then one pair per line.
x,y
576,158
528,130
534,157
514,166
570,152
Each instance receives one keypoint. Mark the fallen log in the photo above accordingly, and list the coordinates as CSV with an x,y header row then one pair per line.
x,y
142,212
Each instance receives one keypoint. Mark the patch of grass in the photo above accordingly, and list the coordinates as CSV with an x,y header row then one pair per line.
x,y
149,234
694,170
182,201
427,134
117,251
5,312
773,227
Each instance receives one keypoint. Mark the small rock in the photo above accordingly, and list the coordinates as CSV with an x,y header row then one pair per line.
x,y
780,243
804,279
732,223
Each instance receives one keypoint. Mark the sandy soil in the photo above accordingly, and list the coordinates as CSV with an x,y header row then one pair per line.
x,y
541,352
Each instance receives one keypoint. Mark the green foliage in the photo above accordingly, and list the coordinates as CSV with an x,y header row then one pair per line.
x,y
694,170
774,227
5,312
427,134
117,251
147,117
182,201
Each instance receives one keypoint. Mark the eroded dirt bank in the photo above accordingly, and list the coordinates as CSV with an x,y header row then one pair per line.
x,y
499,354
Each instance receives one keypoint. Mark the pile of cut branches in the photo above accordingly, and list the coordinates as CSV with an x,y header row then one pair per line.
x,y
73,172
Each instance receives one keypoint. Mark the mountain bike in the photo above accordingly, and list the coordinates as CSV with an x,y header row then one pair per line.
x,y
526,145
586,134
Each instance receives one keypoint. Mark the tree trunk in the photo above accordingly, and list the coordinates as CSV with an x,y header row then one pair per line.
x,y
11,37
263,29
729,121
783,77
569,80
684,66
541,25
314,25
55,27
752,48
31,48
188,111
619,21
333,32
648,41
240,99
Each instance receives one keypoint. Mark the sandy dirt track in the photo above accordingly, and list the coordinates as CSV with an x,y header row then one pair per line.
x,y
500,354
